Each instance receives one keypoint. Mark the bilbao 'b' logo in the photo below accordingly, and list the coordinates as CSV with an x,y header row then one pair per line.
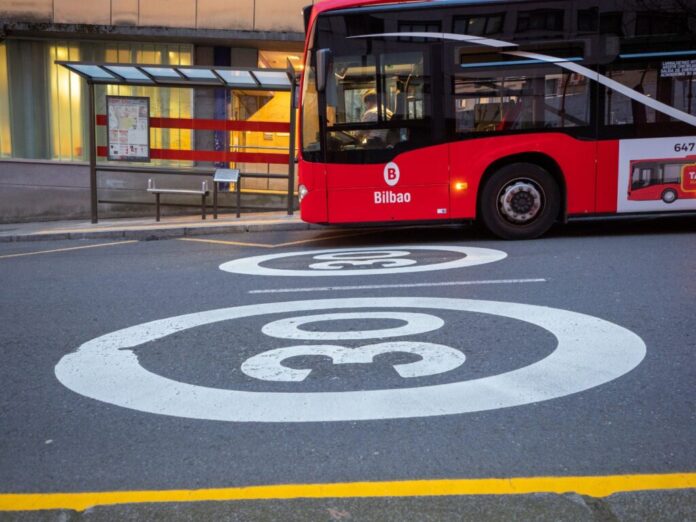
x,y
391,173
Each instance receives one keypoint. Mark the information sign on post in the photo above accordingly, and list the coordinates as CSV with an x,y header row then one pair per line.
x,y
128,128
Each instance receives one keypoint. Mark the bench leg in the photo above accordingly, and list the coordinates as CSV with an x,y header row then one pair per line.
x,y
203,206
157,204
215,197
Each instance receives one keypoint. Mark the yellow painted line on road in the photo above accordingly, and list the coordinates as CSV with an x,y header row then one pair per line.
x,y
596,486
337,236
223,242
277,245
8,256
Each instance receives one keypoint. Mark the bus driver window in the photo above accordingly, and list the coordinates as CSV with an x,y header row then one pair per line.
x,y
371,114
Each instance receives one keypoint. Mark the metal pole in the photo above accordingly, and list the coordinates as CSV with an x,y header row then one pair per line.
x,y
92,155
238,189
291,152
215,196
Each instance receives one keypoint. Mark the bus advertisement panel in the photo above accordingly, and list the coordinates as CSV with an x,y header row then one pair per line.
x,y
657,175
517,114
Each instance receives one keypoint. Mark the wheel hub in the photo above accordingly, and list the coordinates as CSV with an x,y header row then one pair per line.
x,y
520,201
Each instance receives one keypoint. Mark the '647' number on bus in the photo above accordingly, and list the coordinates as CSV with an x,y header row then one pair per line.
x,y
685,147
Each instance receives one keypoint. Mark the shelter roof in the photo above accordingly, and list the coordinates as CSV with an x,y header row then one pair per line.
x,y
182,75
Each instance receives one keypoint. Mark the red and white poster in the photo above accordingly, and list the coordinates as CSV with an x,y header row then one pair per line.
x,y
128,128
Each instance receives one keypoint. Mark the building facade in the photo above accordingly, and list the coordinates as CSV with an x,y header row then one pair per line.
x,y
43,107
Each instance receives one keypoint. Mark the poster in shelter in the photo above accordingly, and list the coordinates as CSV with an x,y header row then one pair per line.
x,y
128,128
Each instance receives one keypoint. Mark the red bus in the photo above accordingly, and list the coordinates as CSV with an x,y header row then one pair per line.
x,y
515,113
665,179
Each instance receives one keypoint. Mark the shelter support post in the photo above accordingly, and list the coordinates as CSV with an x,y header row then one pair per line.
x,y
238,190
291,152
92,155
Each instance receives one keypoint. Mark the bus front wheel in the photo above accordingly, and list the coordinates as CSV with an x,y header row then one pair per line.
x,y
669,196
520,201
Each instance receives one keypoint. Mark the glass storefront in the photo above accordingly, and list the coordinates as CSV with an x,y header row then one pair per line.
x,y
43,106
44,111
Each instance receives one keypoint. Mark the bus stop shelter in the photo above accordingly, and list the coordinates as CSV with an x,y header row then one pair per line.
x,y
192,77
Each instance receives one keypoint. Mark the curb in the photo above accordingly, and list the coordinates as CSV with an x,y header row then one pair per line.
x,y
161,233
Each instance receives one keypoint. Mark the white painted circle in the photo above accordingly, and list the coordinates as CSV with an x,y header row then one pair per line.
x,y
290,328
590,352
391,173
471,256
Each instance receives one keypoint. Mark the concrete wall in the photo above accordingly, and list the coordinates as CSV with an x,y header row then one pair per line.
x,y
249,15
42,191
31,191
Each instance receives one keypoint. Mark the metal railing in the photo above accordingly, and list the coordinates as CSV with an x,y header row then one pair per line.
x,y
202,172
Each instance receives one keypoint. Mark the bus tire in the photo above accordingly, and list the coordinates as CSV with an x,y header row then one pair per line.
x,y
520,201
669,196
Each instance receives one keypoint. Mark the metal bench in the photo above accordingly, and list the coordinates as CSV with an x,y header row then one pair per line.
x,y
203,192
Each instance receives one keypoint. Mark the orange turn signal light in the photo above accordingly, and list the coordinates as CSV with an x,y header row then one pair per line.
x,y
461,185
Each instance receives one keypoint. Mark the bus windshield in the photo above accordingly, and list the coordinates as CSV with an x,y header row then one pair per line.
x,y
378,93
310,105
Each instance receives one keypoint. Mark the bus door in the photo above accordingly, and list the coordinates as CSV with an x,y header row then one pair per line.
x,y
382,158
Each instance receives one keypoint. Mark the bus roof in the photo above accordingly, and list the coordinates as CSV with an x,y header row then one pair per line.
x,y
334,5
331,5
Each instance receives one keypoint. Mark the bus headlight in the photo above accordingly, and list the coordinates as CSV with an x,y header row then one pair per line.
x,y
301,192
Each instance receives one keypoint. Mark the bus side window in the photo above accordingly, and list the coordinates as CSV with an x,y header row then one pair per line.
x,y
647,79
514,99
644,177
621,110
404,79
672,173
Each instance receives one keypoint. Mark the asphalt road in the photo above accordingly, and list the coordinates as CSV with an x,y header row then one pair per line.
x,y
621,295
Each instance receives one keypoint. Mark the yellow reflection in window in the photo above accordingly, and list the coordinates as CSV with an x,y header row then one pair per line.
x,y
65,94
5,139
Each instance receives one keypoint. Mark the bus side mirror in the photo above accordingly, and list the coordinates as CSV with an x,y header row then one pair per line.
x,y
323,61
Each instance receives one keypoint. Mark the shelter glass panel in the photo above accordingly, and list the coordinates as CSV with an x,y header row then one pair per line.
x,y
236,77
198,74
129,73
164,73
175,103
265,106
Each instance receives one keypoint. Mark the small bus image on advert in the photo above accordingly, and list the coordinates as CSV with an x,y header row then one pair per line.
x,y
666,179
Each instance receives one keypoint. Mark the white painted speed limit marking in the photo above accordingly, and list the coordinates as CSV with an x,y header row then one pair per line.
x,y
337,262
415,324
385,258
435,358
590,352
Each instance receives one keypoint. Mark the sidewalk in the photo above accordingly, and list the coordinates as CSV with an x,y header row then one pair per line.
x,y
148,228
